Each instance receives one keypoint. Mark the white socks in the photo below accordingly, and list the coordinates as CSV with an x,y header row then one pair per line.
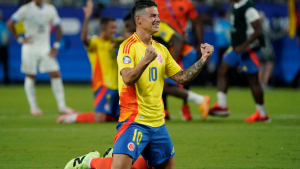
x,y
58,91
261,109
222,99
29,86
194,97
89,162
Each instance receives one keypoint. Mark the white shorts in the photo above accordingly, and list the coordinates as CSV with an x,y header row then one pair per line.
x,y
33,59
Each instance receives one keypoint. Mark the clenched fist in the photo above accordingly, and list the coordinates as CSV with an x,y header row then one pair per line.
x,y
150,54
206,50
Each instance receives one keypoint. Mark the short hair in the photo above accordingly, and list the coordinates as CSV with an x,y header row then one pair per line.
x,y
104,21
140,5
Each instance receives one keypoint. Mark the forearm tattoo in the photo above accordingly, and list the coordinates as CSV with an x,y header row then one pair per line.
x,y
186,76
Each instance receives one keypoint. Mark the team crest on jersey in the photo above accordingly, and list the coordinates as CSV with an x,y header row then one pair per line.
x,y
131,146
126,60
159,58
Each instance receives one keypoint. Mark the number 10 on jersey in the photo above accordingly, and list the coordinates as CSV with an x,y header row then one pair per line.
x,y
152,74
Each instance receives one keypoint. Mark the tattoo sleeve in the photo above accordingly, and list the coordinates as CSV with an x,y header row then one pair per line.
x,y
186,76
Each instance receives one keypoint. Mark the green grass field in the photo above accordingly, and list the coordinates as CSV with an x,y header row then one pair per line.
x,y
39,142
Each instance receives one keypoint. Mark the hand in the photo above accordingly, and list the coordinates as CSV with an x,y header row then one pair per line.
x,y
88,9
206,50
53,52
150,54
27,40
241,48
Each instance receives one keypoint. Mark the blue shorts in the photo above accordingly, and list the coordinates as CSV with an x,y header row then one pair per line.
x,y
185,62
107,101
153,143
248,61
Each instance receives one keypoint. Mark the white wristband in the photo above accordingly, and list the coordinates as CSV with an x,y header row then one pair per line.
x,y
56,45
20,39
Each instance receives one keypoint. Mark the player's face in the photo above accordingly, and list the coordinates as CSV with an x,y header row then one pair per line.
x,y
111,29
38,1
150,20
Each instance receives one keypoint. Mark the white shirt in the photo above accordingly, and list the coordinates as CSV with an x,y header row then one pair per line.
x,y
37,21
251,15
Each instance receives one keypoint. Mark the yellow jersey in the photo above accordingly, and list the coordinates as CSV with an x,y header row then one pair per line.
x,y
142,102
102,56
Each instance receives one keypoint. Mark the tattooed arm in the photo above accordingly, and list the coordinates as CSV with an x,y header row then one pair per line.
x,y
184,77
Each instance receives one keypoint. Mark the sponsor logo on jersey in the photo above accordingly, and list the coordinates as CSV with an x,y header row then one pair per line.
x,y
159,58
131,146
126,60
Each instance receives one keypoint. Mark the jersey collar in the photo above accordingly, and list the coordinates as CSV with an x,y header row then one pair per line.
x,y
137,37
33,4
239,4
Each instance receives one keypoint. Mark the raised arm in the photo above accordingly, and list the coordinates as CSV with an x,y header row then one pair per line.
x,y
186,76
132,75
88,10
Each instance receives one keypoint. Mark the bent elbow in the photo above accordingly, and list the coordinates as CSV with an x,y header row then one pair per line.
x,y
9,23
127,82
184,83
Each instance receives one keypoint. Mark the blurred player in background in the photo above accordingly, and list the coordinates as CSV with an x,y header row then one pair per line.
x,y
246,40
176,14
142,65
166,36
101,51
37,17
267,53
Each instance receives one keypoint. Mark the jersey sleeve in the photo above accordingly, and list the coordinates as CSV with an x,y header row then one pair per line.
x,y
126,59
165,32
171,66
192,12
19,14
55,17
251,15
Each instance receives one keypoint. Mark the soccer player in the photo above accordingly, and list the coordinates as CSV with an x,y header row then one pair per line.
x,y
166,36
246,39
37,17
142,65
101,52
176,13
